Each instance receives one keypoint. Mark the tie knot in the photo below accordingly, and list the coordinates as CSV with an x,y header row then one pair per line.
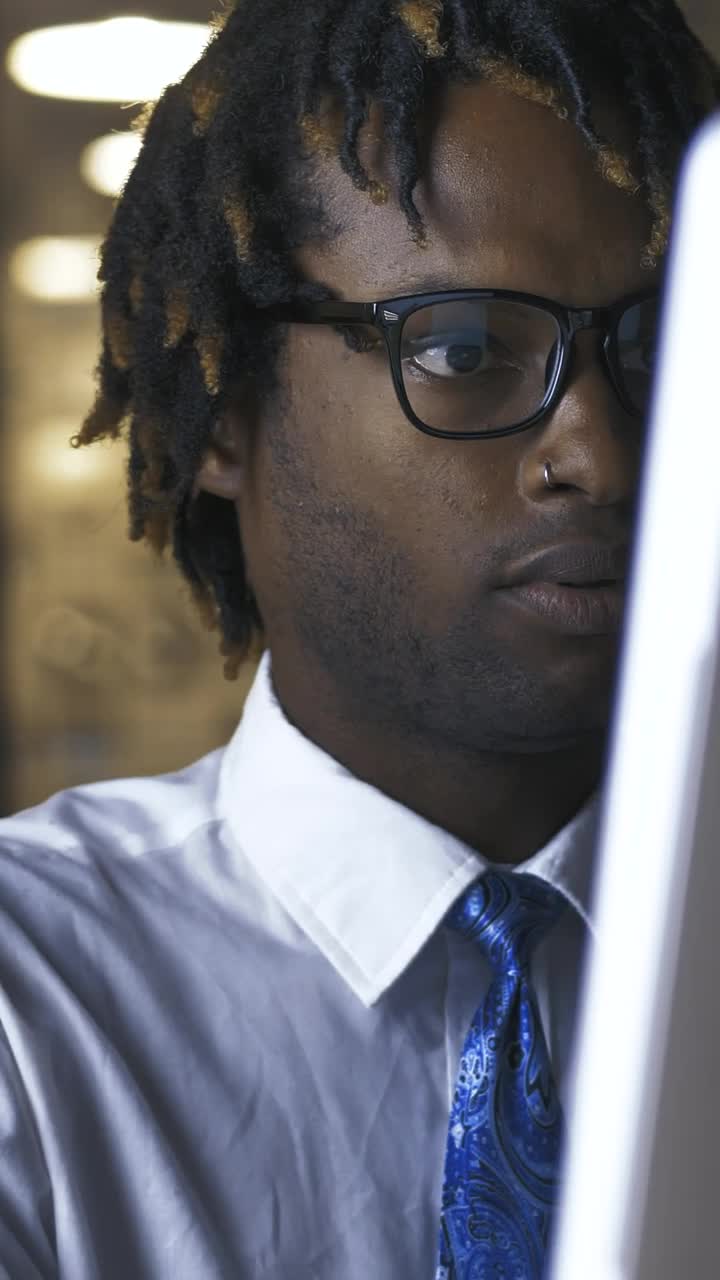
x,y
507,914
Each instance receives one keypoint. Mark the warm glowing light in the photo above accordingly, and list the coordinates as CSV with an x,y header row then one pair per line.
x,y
56,466
124,59
57,268
106,163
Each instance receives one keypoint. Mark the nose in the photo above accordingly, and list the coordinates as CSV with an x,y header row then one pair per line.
x,y
593,444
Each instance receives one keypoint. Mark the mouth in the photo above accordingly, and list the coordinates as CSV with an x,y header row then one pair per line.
x,y
577,588
593,610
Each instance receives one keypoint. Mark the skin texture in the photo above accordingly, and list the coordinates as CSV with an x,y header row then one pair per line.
x,y
377,554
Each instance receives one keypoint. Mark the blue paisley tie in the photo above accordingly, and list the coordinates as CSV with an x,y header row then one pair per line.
x,y
505,1130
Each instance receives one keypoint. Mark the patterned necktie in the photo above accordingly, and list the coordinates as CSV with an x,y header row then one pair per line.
x,y
505,1130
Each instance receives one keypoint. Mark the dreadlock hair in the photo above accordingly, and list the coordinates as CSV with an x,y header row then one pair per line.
x,y
199,245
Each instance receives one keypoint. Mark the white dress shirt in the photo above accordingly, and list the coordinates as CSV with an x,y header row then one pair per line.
x,y
231,1019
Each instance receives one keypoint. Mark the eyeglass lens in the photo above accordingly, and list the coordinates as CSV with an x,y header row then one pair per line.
x,y
486,364
637,340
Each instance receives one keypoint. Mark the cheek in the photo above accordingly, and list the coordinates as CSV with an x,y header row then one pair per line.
x,y
444,504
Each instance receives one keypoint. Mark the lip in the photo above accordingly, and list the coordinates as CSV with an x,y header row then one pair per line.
x,y
580,611
578,564
579,588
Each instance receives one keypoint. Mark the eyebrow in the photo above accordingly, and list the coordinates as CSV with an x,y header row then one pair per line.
x,y
435,283
439,283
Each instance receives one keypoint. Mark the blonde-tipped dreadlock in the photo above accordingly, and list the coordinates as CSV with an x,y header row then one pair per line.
x,y
177,317
422,19
200,246
513,80
210,350
119,337
660,237
206,99
324,137
614,167
222,17
241,226
139,123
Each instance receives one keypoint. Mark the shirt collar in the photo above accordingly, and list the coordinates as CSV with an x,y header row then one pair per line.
x,y
365,878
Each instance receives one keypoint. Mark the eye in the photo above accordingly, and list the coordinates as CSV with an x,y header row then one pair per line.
x,y
459,355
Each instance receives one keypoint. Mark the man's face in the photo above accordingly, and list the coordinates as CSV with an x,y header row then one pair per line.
x,y
380,555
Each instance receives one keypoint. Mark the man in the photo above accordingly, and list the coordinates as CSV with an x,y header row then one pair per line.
x,y
246,1028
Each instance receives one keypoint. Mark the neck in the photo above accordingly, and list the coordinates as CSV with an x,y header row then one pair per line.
x,y
504,805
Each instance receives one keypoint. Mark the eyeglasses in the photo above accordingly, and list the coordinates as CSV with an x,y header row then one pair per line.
x,y
478,363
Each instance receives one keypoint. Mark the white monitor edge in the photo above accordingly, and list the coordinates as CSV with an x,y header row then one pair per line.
x,y
659,735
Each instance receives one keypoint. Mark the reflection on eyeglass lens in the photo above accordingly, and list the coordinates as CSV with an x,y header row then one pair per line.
x,y
478,365
488,364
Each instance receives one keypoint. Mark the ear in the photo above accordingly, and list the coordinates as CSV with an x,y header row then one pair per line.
x,y
224,465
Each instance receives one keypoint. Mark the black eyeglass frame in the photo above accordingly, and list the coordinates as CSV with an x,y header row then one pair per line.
x,y
388,317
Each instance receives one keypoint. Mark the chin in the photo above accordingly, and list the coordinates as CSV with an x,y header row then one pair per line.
x,y
512,706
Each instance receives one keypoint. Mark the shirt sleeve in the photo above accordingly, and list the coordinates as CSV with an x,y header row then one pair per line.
x,y
27,1250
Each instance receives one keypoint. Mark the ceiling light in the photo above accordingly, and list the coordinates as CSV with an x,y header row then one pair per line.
x,y
115,60
106,163
57,268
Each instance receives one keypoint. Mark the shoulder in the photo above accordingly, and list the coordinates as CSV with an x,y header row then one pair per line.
x,y
96,875
123,817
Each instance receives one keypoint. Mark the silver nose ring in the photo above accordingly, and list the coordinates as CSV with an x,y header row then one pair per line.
x,y
548,477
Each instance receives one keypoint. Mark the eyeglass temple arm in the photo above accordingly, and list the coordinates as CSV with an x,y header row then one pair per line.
x,y
327,312
374,313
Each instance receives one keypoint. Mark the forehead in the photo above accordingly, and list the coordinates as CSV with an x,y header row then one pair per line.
x,y
511,199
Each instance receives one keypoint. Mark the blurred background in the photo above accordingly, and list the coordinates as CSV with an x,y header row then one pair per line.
x,y
106,671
